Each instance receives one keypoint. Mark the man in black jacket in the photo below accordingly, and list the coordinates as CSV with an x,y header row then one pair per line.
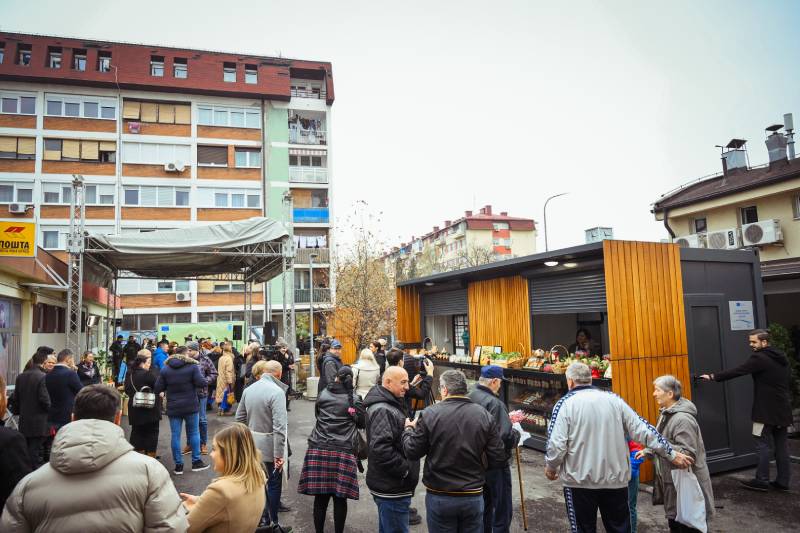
x,y
497,510
457,436
32,403
772,408
117,354
391,477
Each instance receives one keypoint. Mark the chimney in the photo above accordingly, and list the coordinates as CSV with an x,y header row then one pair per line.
x,y
488,209
503,213
734,155
435,229
482,211
788,125
776,145
468,213
447,223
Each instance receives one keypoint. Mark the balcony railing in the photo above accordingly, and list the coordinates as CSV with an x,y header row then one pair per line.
x,y
311,215
308,175
306,93
303,256
303,296
301,136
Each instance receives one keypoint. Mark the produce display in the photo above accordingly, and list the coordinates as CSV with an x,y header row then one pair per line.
x,y
503,359
534,421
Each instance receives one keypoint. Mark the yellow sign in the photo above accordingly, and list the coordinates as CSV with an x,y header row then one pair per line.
x,y
17,239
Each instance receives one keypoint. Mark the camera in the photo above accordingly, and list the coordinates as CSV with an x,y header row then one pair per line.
x,y
270,353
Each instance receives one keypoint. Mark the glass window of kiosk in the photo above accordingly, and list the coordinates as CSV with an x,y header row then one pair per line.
x,y
554,329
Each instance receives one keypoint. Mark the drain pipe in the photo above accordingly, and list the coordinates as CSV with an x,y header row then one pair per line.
x,y
666,224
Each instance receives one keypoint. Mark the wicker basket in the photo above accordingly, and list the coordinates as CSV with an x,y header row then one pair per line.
x,y
517,363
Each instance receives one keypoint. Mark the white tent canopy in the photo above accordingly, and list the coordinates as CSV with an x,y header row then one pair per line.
x,y
249,250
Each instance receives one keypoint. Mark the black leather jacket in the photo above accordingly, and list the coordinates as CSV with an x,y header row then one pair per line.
x,y
336,428
461,441
484,397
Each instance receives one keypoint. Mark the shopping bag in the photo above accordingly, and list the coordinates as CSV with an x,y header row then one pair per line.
x,y
231,397
691,504
224,405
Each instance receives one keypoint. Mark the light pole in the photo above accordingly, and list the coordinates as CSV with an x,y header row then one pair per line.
x,y
311,258
546,248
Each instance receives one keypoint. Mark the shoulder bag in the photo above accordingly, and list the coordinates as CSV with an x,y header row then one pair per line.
x,y
144,398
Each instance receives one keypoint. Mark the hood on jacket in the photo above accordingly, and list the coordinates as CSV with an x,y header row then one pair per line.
x,y
682,406
272,379
179,360
87,446
380,394
776,355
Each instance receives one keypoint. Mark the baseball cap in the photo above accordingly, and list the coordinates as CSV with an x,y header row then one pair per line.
x,y
336,344
192,345
492,372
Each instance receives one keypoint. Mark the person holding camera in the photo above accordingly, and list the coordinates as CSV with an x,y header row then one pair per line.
x,y
420,375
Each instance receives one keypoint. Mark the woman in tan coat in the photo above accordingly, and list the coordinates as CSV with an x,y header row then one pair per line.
x,y
234,501
225,379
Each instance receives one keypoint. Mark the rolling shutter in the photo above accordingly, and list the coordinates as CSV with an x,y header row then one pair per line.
x,y
445,303
131,110
183,114
574,293
212,155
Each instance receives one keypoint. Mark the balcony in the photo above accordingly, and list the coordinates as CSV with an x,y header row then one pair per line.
x,y
303,296
303,256
307,136
309,92
308,175
311,215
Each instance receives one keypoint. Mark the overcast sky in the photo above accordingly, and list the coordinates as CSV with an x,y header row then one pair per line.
x,y
443,106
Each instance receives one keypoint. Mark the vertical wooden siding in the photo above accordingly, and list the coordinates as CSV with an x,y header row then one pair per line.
x,y
646,322
408,315
499,313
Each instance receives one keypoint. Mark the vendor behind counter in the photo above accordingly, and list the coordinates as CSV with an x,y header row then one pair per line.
x,y
584,343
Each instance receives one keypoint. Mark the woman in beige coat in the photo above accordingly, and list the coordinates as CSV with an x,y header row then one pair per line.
x,y
366,372
234,501
226,378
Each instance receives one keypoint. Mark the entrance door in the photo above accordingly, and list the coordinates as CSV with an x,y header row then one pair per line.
x,y
706,322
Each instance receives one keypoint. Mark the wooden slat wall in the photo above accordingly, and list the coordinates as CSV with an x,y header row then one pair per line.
x,y
499,313
349,346
646,322
408,315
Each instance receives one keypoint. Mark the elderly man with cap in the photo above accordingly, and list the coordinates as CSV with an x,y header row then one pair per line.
x,y
497,511
330,365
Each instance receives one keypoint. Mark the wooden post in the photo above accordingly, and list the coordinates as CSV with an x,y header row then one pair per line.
x,y
521,491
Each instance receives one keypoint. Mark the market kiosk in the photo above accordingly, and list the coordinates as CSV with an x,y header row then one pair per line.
x,y
649,308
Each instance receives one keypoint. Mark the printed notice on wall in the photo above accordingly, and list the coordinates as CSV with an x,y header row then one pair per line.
x,y
742,315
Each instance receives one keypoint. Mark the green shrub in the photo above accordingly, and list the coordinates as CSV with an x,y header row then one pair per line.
x,y
782,340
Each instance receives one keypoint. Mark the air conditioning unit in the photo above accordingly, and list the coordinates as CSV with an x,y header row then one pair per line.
x,y
17,209
174,167
183,296
695,240
762,232
727,239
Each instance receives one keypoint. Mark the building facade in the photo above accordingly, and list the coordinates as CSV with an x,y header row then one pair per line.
x,y
471,240
169,138
747,207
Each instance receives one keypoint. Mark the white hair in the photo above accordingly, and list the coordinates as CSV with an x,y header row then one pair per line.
x,y
367,355
580,373
669,383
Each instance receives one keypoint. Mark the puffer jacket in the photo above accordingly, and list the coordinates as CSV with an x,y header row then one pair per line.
x,y
484,397
461,442
92,467
389,473
336,427
678,424
182,381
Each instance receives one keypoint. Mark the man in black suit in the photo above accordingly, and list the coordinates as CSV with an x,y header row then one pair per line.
x,y
32,403
63,385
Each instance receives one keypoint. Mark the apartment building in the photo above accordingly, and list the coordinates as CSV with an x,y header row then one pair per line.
x,y
169,138
749,207
471,240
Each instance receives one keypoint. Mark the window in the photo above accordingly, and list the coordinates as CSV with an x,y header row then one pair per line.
x,y
24,55
319,198
229,287
17,148
796,206
79,150
180,68
165,286
234,117
50,239
156,66
248,158
99,194
250,74
151,196
214,156
498,226
248,198
162,113
2,52
749,214
79,60
229,72
58,105
54,57
61,193
460,325
305,160
17,104
103,61
155,154
699,225
16,192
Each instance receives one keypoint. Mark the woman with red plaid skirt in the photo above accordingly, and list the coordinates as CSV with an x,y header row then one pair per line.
x,y
330,468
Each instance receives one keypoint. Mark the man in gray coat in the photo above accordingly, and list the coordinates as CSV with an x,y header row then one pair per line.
x,y
263,409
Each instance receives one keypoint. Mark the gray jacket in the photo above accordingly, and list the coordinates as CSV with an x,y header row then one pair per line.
x,y
679,424
586,439
263,409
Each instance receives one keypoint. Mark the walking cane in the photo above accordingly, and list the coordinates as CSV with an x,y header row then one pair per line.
x,y
521,492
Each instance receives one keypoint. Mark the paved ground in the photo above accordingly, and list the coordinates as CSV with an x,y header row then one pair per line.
x,y
738,510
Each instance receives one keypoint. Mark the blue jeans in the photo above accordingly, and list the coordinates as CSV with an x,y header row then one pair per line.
x,y
392,514
273,493
454,514
192,436
497,510
203,423
633,495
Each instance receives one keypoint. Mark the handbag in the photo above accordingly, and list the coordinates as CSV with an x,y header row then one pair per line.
x,y
144,398
360,449
691,504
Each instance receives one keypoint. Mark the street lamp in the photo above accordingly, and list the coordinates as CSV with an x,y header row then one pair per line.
x,y
311,258
546,248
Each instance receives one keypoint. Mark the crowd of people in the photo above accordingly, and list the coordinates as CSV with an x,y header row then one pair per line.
x,y
378,417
